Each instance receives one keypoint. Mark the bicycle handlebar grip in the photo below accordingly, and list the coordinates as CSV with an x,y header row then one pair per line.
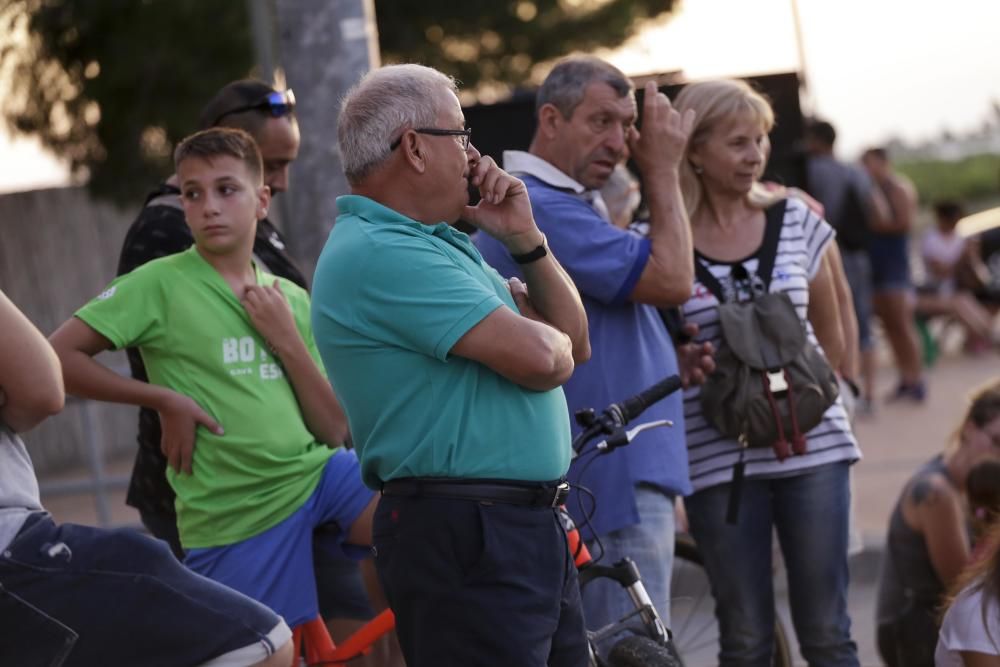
x,y
633,407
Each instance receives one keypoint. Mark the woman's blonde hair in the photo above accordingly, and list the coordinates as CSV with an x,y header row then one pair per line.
x,y
715,102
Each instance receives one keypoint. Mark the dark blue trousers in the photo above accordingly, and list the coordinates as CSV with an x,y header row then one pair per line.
x,y
475,583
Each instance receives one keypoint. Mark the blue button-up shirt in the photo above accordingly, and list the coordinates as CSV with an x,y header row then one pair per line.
x,y
631,348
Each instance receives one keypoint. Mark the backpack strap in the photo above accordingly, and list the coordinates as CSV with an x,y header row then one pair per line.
x,y
774,220
775,215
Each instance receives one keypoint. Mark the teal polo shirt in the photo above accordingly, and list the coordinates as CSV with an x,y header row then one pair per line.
x,y
391,296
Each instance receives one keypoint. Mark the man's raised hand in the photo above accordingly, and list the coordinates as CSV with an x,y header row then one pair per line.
x,y
664,135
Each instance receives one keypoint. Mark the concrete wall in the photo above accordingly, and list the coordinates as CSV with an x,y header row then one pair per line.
x,y
58,249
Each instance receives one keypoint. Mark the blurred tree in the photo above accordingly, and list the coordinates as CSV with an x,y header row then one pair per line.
x,y
483,42
112,85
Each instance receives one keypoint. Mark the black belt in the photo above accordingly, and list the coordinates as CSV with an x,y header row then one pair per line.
x,y
541,494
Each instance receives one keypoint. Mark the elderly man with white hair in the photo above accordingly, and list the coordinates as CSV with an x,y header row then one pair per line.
x,y
451,379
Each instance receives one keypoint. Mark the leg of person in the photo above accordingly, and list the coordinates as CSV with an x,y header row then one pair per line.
x,y
130,602
738,560
342,510
895,307
274,567
858,269
811,515
478,583
650,544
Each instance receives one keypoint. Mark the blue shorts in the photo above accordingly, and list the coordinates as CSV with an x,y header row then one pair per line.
x,y
276,567
80,596
890,263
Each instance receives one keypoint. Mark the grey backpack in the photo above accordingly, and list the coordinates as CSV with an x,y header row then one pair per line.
x,y
770,385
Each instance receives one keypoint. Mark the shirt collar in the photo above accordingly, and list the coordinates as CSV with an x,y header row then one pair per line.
x,y
520,162
371,211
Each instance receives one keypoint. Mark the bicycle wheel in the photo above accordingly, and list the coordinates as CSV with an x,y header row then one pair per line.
x,y
692,611
637,651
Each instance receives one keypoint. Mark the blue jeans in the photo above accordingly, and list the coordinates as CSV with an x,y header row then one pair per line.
x,y
650,544
78,596
810,512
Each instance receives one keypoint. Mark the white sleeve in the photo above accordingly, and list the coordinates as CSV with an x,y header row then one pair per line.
x,y
963,628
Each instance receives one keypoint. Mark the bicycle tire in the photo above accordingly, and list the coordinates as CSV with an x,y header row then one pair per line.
x,y
692,611
638,651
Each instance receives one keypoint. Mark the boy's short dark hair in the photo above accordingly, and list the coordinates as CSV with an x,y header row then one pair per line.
x,y
222,141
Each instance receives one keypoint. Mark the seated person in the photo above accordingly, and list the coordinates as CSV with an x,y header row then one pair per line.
x,y
947,256
250,422
79,596
928,542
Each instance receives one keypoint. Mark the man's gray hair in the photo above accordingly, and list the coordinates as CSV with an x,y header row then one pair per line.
x,y
566,83
377,110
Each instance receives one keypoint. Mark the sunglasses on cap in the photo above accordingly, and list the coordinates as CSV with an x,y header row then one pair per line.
x,y
278,104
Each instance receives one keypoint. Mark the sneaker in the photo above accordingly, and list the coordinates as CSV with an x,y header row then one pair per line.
x,y
865,407
915,393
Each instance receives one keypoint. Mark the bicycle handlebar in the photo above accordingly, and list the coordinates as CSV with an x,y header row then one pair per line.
x,y
617,415
633,407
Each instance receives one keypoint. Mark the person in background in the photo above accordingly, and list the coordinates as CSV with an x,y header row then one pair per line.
x,y
86,597
893,294
946,256
805,498
852,206
970,627
928,543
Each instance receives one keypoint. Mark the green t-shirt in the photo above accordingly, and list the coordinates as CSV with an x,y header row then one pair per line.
x,y
391,296
196,338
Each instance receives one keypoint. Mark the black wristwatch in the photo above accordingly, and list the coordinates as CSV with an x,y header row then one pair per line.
x,y
532,256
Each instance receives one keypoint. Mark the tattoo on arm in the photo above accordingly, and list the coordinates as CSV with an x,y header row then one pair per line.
x,y
924,491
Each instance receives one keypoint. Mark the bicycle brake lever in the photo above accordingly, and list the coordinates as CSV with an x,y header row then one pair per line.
x,y
631,433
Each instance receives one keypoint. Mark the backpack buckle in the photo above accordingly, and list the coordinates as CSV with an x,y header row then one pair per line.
x,y
776,381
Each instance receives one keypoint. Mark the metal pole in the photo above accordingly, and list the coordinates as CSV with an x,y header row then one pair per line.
x,y
800,48
260,23
96,464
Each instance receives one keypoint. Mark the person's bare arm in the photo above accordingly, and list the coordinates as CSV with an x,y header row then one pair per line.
x,y
31,384
850,363
935,510
976,659
272,317
526,352
667,277
536,357
902,203
824,312
76,343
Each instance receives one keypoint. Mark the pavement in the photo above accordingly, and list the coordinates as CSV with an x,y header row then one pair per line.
x,y
895,441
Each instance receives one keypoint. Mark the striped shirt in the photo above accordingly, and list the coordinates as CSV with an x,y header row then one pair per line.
x,y
712,456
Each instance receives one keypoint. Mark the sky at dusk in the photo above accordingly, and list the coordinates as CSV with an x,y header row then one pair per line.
x,y
875,68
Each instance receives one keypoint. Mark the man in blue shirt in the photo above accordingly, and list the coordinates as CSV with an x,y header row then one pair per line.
x,y
450,377
586,126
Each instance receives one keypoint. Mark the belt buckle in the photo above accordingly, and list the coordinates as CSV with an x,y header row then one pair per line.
x,y
561,492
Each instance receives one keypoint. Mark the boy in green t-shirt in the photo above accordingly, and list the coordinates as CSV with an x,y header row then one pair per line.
x,y
246,409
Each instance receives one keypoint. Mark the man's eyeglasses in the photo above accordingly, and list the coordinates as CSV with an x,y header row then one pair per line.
x,y
466,135
278,104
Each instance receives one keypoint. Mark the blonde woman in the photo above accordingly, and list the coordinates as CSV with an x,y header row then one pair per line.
x,y
805,497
